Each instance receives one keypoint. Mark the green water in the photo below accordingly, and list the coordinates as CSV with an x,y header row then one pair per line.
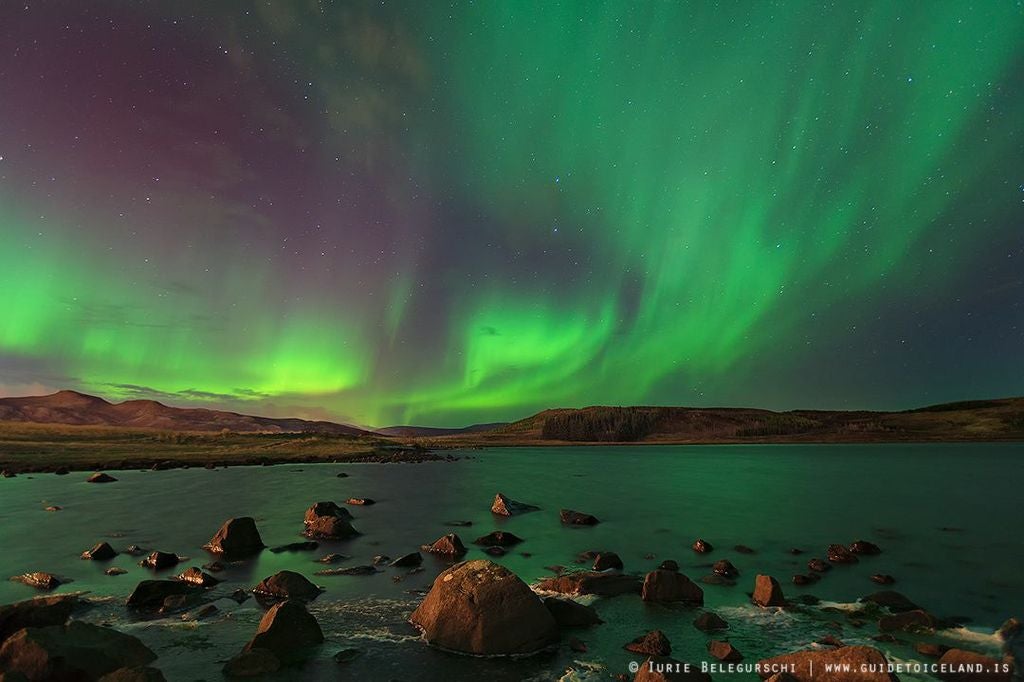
x,y
946,517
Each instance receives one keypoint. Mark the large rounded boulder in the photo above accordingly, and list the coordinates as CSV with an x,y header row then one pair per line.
x,y
843,664
669,586
76,651
328,521
286,585
287,630
481,608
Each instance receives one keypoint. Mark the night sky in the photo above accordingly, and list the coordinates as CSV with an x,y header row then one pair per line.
x,y
447,213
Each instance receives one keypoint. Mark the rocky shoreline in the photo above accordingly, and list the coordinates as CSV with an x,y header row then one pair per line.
x,y
481,608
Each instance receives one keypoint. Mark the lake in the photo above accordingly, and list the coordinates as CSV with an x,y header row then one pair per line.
x,y
945,515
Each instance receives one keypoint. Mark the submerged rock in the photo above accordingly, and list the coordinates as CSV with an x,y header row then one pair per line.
x,y
768,592
160,560
605,561
587,582
252,663
818,566
295,547
670,586
570,614
505,506
709,622
195,576
883,579
478,607
360,501
408,560
724,568
351,570
286,585
238,538
838,554
915,620
892,600
571,517
865,547
668,565
151,594
724,651
448,545
100,477
76,651
701,546
829,665
39,580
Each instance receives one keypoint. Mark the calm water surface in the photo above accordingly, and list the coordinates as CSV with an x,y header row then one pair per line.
x,y
946,517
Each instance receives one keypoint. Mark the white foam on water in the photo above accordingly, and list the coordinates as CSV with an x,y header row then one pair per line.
x,y
579,671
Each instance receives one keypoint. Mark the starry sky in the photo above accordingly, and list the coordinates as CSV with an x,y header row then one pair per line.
x,y
448,213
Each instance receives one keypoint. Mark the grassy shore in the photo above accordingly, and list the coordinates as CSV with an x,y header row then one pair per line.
x,y
46,447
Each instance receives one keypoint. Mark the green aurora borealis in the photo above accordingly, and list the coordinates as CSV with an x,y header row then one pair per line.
x,y
409,213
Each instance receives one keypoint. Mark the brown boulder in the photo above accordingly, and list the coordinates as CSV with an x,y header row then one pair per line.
x,y
668,565
448,545
845,664
100,477
883,579
892,600
505,506
481,608
586,582
967,666
865,547
101,552
408,560
39,580
360,501
160,560
570,614
918,619
38,613
768,592
724,651
237,538
288,631
724,568
818,566
321,509
654,643
670,586
195,576
571,517
285,586
151,594
329,528
607,560
76,651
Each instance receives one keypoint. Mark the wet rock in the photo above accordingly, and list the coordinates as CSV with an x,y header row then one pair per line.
x,y
101,552
571,517
288,631
296,547
53,508
114,570
570,614
208,611
62,471
347,656
865,547
39,580
150,594
803,580
240,596
100,477
956,660
829,665
724,568
577,646
830,640
351,570
134,550
76,651
285,586
931,650
408,560
195,576
459,524
238,538
448,545
724,651
381,559
341,475
883,579
701,546
894,601
743,549
588,582
838,554
795,551
360,501
818,566
160,560
607,561
654,643
498,538
916,620
478,607
252,663
143,674
331,558
7,473
670,586
709,622
668,565
506,506
496,551
326,508
768,592
328,521
39,612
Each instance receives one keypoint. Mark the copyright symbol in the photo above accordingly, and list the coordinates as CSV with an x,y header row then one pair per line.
x,y
633,666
